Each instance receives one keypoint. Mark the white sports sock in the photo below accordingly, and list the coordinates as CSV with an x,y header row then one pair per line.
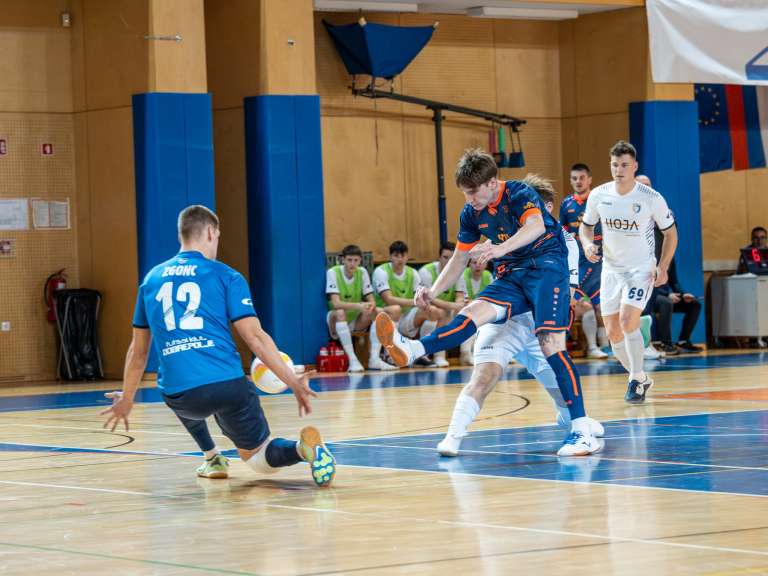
x,y
258,461
620,351
581,425
342,329
635,349
427,327
589,326
374,341
440,355
211,453
602,336
464,412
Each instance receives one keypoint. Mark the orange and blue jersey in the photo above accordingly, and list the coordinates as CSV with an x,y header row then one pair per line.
x,y
503,217
571,214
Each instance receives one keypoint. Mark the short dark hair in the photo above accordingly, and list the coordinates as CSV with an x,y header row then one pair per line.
x,y
543,187
447,245
758,229
475,168
581,167
193,220
398,247
621,147
351,250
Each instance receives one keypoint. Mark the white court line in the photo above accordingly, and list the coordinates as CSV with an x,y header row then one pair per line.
x,y
613,539
99,429
639,438
88,489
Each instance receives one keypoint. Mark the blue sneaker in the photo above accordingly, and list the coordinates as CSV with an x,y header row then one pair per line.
x,y
608,350
580,444
321,461
636,390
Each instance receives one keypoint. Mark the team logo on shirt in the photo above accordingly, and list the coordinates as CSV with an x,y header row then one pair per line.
x,y
636,208
249,302
620,224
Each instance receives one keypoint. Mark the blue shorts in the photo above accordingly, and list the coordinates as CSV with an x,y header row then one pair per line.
x,y
233,403
589,281
542,288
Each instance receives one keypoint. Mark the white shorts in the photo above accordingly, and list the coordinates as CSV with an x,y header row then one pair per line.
x,y
515,339
631,288
406,326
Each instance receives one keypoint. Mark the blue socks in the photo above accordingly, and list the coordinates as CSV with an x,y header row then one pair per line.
x,y
450,335
569,383
281,452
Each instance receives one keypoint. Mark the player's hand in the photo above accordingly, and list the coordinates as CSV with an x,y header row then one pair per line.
x,y
303,392
486,252
689,297
592,253
367,307
121,407
674,297
423,297
660,277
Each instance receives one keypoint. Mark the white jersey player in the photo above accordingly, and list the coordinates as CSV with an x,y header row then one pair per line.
x,y
628,211
498,344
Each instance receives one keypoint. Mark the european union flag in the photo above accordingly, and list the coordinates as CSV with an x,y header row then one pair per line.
x,y
715,152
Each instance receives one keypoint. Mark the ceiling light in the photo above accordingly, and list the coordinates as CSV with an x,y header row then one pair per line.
x,y
353,6
522,13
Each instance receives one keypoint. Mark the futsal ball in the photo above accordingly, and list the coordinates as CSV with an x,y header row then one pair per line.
x,y
265,380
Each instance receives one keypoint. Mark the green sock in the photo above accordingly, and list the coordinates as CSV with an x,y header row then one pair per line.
x,y
645,329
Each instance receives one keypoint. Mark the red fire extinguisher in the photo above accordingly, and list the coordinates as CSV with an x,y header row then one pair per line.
x,y
56,281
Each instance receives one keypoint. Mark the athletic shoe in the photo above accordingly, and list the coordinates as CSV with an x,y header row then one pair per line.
x,y
670,349
580,444
399,348
379,364
595,428
355,366
441,361
424,362
688,346
596,354
216,467
608,350
321,461
650,353
636,390
449,446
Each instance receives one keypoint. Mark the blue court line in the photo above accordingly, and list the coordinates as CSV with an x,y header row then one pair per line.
x,y
406,379
720,452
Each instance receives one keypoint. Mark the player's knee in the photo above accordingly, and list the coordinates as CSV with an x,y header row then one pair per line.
x,y
393,311
551,342
629,322
339,315
436,314
483,380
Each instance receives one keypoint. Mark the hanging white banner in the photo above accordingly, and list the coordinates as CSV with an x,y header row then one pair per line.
x,y
709,41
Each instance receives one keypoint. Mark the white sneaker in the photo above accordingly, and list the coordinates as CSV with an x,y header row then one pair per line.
x,y
595,427
579,444
596,354
441,361
400,349
379,364
449,446
355,366
650,353
466,359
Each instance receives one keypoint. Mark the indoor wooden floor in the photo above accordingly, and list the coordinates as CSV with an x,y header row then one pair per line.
x,y
680,488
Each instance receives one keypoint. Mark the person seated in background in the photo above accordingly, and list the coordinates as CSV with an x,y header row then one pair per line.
x,y
450,301
351,306
476,278
672,298
759,240
395,284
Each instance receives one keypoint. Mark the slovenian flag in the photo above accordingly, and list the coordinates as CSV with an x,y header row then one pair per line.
x,y
733,126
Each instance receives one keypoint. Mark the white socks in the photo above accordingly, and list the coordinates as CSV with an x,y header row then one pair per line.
x,y
464,412
258,461
620,351
342,329
374,341
635,350
602,336
211,453
589,326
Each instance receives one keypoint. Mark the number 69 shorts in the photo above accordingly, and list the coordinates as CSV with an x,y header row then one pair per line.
x,y
632,288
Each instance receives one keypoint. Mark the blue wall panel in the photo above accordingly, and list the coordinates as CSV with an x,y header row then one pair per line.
x,y
285,220
666,136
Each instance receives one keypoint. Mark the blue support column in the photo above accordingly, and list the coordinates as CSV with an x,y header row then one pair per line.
x,y
286,232
173,155
666,136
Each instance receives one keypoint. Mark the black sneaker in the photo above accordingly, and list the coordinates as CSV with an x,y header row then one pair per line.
x,y
670,349
636,391
424,362
688,346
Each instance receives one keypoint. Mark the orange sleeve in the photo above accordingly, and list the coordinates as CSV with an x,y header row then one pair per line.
x,y
527,213
465,246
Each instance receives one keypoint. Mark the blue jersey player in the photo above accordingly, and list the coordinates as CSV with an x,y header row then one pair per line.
x,y
588,291
185,307
527,247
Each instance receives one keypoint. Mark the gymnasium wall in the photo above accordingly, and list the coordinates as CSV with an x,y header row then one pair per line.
x,y
36,103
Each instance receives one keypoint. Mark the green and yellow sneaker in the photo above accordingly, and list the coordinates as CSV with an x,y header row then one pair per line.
x,y
321,461
216,467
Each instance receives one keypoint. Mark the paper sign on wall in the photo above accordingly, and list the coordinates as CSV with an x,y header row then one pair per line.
x,y
14,214
50,214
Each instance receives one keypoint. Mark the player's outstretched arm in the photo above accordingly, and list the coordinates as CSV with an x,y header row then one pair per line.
x,y
668,248
135,363
587,239
262,345
447,278
532,228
